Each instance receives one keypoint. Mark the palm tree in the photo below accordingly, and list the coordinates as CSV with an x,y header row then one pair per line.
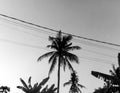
x,y
36,88
113,80
61,46
74,81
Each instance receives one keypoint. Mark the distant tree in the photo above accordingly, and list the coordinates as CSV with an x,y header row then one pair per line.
x,y
61,46
36,88
74,82
4,89
113,80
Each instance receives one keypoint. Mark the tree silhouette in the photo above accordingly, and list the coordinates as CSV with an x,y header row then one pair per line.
x,y
112,80
104,89
61,46
36,88
4,89
74,82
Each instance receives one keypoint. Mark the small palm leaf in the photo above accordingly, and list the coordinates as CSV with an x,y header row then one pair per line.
x,y
81,86
79,90
45,55
72,57
29,82
52,89
67,83
53,65
69,65
22,88
44,81
73,48
24,84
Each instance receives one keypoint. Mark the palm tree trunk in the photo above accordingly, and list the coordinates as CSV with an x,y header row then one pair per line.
x,y
58,75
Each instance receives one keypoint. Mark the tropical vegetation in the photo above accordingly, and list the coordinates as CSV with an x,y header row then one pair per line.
x,y
37,87
74,82
113,80
61,54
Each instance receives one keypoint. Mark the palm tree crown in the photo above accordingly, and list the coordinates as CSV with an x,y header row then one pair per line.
x,y
61,46
74,81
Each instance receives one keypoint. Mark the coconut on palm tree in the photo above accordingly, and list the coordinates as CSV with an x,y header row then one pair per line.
x,y
60,55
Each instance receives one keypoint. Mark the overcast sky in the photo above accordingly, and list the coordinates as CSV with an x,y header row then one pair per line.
x,y
96,19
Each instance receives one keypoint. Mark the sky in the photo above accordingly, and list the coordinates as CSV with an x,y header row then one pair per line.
x,y
21,44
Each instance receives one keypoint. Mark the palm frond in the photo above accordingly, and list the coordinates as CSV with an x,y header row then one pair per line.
x,y
43,81
103,76
69,65
81,86
44,89
53,65
52,47
29,82
52,57
23,89
24,84
67,38
67,45
67,83
73,48
72,57
52,88
79,90
51,38
45,55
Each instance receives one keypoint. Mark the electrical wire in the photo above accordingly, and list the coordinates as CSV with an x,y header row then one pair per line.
x,y
40,47
22,44
44,30
38,30
89,39
26,27
97,60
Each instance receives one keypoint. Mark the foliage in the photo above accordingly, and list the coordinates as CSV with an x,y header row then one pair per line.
x,y
74,82
37,87
113,80
61,46
104,89
4,89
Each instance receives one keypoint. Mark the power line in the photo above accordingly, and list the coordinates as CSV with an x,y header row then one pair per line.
x,y
89,39
28,22
38,47
22,44
36,35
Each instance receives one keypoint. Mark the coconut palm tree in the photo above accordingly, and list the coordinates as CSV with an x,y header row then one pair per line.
x,y
113,80
60,55
74,82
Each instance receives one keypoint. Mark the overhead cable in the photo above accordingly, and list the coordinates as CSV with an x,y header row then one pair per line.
x,y
89,39
40,47
75,40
